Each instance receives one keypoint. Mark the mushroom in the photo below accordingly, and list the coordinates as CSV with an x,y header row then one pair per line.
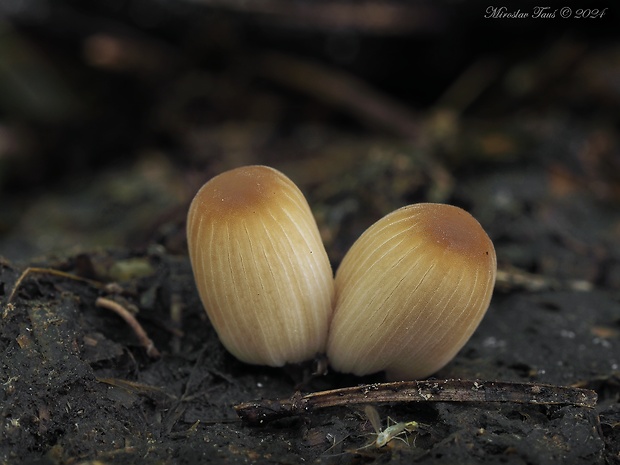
x,y
410,292
260,267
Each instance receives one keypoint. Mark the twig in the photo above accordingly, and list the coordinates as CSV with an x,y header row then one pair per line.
x,y
512,278
34,270
343,90
449,390
469,85
137,328
355,96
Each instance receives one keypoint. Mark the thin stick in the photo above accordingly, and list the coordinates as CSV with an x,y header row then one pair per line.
x,y
137,328
449,390
34,270
359,99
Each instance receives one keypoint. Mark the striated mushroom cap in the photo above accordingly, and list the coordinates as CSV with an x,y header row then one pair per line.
x,y
260,267
410,292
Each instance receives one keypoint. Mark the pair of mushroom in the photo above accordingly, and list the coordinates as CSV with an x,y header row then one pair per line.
x,y
407,296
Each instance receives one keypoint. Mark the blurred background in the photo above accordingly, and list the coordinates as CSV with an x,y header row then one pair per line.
x,y
114,112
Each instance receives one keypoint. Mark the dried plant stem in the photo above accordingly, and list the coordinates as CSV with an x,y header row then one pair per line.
x,y
449,390
137,328
34,270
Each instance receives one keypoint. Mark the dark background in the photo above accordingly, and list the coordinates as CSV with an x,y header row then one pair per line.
x,y
87,88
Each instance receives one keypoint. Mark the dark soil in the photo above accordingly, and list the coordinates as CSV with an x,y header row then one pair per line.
x,y
120,147
78,386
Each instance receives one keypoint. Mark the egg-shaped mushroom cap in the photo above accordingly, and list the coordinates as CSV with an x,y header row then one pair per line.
x,y
410,292
260,267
